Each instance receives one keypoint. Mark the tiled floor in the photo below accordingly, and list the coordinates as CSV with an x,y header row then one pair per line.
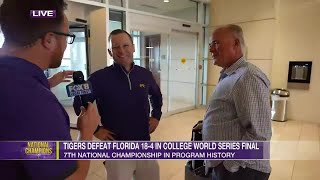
x,y
291,140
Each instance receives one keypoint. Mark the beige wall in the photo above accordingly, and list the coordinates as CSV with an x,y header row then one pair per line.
x,y
98,38
97,23
257,18
237,11
76,10
277,32
297,39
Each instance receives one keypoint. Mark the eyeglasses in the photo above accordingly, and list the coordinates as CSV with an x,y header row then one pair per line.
x,y
214,43
70,37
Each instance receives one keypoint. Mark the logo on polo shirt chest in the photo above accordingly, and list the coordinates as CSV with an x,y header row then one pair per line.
x,y
142,85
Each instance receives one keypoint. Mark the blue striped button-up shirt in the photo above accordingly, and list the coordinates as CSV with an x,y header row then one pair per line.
x,y
239,109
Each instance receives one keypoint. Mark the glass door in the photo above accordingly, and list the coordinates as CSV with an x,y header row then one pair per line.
x,y
151,52
182,71
172,59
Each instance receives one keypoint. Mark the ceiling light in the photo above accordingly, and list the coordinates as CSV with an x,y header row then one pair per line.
x,y
165,0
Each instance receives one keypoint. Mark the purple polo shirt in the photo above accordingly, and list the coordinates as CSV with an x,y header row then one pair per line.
x,y
30,111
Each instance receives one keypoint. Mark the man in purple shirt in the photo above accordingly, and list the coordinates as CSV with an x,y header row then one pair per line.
x,y
122,92
29,110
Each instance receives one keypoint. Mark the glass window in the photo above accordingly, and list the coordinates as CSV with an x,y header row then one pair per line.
x,y
116,3
204,64
181,9
207,13
100,1
116,20
113,25
136,41
1,39
66,54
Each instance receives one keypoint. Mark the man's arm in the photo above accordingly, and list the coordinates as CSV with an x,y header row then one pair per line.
x,y
100,132
59,78
252,103
51,123
87,123
155,98
82,165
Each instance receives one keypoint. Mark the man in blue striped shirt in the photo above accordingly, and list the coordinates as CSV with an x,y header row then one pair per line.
x,y
239,109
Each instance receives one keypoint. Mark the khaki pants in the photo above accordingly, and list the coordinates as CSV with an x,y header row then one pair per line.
x,y
127,169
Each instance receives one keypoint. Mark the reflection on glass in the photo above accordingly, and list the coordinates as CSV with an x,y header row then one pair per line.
x,y
299,72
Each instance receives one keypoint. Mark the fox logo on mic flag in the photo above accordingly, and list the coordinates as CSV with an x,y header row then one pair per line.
x,y
79,89
79,86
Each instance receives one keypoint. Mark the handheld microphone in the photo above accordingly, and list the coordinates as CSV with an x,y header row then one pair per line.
x,y
79,87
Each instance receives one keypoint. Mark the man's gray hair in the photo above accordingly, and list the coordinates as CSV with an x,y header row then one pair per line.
x,y
238,34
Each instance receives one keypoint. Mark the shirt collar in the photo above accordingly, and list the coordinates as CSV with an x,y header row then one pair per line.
x,y
25,67
118,66
234,66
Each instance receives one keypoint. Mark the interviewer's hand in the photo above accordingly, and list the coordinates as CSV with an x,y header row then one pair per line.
x,y
88,120
104,134
153,124
59,78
